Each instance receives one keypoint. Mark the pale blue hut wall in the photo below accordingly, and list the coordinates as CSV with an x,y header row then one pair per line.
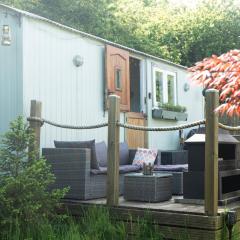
x,y
38,65
191,99
75,95
10,70
68,94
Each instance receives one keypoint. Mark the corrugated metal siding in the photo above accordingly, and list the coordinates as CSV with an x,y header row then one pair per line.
x,y
192,100
10,72
69,94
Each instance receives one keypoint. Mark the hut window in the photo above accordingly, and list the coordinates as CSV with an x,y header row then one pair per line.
x,y
171,85
118,79
164,87
159,86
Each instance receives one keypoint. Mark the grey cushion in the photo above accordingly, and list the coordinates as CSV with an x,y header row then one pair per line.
x,y
124,154
128,168
80,144
174,168
122,169
101,153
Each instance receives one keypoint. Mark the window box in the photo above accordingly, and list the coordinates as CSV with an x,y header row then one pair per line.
x,y
160,113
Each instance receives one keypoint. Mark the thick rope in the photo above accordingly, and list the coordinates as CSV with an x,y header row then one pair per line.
x,y
133,127
42,121
229,128
172,128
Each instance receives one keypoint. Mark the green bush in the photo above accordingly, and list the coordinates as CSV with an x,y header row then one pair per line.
x,y
24,181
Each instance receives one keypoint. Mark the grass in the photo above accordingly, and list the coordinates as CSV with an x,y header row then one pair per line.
x,y
96,224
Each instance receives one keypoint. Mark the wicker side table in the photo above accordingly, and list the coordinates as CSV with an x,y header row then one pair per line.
x,y
148,188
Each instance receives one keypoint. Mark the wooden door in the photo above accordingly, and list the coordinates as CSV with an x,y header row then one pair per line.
x,y
136,138
117,76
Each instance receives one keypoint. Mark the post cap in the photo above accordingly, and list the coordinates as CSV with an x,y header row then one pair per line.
x,y
114,96
211,90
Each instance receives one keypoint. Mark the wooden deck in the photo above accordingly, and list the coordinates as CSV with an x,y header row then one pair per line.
x,y
174,220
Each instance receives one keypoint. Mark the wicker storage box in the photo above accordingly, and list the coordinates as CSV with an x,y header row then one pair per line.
x,y
148,188
177,182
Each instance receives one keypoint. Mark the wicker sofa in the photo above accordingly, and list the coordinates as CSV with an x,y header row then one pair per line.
x,y
72,167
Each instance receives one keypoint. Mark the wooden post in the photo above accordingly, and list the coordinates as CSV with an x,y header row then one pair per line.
x,y
36,111
113,151
211,153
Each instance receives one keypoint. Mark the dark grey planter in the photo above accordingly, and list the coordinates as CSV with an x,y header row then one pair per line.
x,y
170,115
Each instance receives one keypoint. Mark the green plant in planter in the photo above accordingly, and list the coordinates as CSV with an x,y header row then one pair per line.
x,y
173,108
25,197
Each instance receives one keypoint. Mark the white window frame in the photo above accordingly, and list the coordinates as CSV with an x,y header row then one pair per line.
x,y
155,69
174,75
165,86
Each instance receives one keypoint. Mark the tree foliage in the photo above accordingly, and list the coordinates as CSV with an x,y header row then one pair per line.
x,y
221,73
24,180
179,33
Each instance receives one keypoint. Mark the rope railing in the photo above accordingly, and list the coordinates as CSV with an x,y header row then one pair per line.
x,y
128,126
133,127
114,125
162,129
228,128
42,121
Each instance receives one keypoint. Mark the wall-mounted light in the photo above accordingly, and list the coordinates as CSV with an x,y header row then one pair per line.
x,y
78,61
186,87
6,35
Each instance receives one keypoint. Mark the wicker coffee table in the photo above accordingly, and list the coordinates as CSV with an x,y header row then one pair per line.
x,y
148,188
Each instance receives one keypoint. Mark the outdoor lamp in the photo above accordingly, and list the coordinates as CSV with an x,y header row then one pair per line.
x,y
6,35
186,87
231,220
78,60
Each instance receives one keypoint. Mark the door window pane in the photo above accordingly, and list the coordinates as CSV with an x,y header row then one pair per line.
x,y
118,79
159,87
171,89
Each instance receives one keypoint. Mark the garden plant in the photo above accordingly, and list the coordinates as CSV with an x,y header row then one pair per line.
x,y
25,200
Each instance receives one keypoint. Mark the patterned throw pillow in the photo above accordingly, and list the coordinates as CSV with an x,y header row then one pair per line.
x,y
144,155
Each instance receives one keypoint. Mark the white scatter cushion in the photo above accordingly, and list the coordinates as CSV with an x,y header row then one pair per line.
x,y
144,155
